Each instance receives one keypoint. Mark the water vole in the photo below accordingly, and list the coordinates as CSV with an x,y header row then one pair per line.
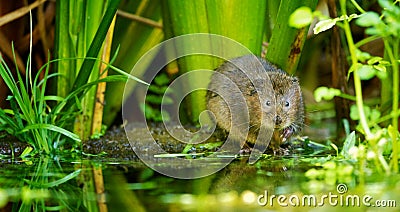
x,y
285,111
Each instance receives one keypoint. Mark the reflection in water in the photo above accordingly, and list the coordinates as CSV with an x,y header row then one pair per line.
x,y
48,185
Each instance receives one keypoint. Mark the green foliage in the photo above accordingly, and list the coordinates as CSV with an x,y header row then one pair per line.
x,y
326,93
32,119
135,39
380,139
301,17
286,43
81,28
154,98
41,185
332,172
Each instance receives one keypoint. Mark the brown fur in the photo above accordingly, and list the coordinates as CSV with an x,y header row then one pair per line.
x,y
289,117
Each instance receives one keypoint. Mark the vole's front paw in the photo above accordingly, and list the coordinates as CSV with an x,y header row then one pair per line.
x,y
287,133
246,150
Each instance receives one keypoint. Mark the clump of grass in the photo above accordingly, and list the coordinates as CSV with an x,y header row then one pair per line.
x,y
33,120
30,118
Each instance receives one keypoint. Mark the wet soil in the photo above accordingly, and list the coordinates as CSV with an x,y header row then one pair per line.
x,y
115,144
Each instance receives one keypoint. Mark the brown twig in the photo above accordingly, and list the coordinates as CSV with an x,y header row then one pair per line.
x,y
5,47
339,80
19,13
101,87
100,190
139,19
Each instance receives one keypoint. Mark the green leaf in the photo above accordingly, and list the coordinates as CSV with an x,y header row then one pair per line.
x,y
94,48
52,128
374,60
56,182
26,152
324,25
53,98
313,173
154,99
162,79
366,72
362,56
385,4
368,19
157,89
353,68
381,71
354,115
286,43
348,144
326,93
301,17
375,115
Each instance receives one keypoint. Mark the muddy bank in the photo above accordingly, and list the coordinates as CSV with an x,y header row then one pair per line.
x,y
115,145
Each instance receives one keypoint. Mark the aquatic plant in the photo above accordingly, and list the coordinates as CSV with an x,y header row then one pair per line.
x,y
154,99
379,138
42,120
39,119
81,29
138,28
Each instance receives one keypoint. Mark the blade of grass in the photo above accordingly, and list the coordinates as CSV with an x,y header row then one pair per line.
x,y
95,10
52,128
56,182
86,43
63,48
95,46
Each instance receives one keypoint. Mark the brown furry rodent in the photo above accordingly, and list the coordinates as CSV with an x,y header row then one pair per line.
x,y
288,104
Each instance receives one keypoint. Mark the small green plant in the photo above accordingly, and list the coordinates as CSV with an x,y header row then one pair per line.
x,y
30,118
154,98
33,120
380,137
44,126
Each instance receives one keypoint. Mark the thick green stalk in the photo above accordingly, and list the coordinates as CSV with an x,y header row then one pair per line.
x,y
81,32
137,38
63,49
95,46
357,80
286,43
190,17
93,10
394,57
270,20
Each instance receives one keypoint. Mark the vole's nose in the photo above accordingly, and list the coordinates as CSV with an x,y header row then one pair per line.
x,y
278,120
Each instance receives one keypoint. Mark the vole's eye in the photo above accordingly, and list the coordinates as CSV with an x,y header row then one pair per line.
x,y
268,103
287,104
